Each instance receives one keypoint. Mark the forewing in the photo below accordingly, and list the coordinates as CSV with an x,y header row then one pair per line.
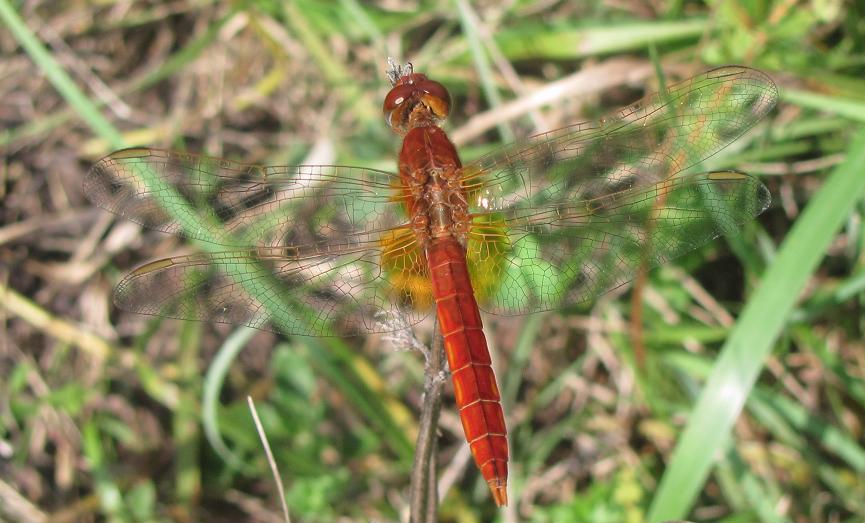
x,y
577,211
244,205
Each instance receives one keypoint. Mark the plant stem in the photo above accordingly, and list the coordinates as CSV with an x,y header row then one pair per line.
x,y
424,496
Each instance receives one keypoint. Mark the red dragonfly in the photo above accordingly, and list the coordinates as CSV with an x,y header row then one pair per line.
x,y
560,218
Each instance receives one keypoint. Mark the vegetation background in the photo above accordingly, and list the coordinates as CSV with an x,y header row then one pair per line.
x,y
739,398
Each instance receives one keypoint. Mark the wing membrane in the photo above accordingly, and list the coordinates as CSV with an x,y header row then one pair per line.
x,y
576,253
311,295
244,205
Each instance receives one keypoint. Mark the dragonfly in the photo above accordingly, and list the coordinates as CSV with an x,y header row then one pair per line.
x,y
552,220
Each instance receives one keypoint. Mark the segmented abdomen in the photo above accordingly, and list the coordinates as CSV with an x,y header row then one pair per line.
x,y
477,394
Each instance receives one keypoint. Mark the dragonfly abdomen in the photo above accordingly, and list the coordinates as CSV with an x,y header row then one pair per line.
x,y
477,395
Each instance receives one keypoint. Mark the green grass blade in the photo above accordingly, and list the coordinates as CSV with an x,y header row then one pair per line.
x,y
789,423
340,79
213,381
177,61
847,107
571,43
752,339
58,77
748,492
469,21
520,357
830,436
185,428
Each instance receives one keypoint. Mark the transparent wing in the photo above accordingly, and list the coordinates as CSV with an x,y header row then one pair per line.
x,y
575,212
574,254
310,294
244,205
313,247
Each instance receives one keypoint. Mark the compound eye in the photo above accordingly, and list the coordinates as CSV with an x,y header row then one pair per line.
x,y
396,106
396,97
436,97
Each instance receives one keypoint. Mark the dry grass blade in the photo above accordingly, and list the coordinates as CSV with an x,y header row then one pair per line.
x,y
274,468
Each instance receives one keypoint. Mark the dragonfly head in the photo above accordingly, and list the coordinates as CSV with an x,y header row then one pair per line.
x,y
415,101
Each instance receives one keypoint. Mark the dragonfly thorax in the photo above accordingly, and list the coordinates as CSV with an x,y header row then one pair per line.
x,y
430,170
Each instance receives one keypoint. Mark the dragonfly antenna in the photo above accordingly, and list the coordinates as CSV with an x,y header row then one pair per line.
x,y
396,70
